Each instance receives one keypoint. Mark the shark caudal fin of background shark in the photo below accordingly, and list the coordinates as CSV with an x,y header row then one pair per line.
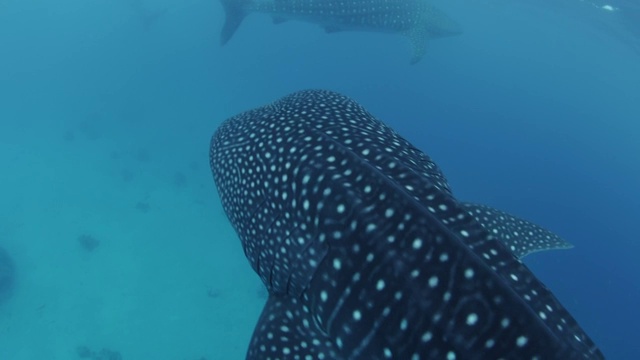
x,y
434,24
520,236
234,14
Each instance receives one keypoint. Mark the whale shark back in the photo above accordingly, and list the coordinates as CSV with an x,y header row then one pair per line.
x,y
365,252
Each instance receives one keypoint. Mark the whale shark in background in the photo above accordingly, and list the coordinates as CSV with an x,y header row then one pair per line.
x,y
416,19
364,250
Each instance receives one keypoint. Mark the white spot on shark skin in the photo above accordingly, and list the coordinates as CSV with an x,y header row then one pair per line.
x,y
521,341
468,273
426,337
337,264
472,319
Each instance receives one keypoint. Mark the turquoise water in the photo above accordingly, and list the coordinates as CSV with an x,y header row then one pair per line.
x,y
106,111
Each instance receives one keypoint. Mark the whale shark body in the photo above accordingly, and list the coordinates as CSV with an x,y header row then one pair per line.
x,y
366,253
416,19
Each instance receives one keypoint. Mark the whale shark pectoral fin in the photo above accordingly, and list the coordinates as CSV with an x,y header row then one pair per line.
x,y
235,13
278,20
418,38
287,328
522,237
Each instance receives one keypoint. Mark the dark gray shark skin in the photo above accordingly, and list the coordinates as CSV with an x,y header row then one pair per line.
x,y
365,252
416,19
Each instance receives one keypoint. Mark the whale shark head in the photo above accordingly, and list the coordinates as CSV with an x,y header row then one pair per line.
x,y
364,250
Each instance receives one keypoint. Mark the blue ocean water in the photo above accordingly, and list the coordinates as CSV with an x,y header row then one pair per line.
x,y
111,218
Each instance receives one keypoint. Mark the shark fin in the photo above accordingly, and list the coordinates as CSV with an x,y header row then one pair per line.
x,y
285,319
418,38
235,13
278,20
520,236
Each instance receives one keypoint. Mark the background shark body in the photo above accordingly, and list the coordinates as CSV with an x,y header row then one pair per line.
x,y
414,18
365,252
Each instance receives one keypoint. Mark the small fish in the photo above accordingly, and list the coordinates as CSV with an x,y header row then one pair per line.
x,y
366,253
416,19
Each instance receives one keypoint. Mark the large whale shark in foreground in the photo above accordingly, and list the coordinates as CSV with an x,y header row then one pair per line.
x,y
365,252
416,19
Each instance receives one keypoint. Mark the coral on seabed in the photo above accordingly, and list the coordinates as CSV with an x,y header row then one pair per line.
x,y
88,242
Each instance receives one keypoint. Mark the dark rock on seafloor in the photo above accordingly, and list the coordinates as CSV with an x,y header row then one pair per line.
x,y
88,242
7,274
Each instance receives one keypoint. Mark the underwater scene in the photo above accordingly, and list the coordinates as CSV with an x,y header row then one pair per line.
x,y
319,179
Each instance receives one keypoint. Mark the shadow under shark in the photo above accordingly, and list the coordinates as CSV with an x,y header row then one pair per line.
x,y
366,253
415,19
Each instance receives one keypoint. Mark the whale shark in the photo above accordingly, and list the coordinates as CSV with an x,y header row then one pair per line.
x,y
416,19
366,253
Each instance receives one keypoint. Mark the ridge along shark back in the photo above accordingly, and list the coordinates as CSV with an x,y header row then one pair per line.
x,y
416,19
365,252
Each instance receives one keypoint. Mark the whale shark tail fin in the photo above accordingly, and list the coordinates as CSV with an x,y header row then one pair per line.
x,y
235,12
418,38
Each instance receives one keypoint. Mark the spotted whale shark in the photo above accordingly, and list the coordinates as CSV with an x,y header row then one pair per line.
x,y
416,19
365,252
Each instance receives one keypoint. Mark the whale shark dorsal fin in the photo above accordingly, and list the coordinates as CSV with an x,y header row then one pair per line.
x,y
522,237
235,12
288,321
